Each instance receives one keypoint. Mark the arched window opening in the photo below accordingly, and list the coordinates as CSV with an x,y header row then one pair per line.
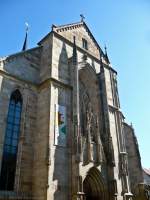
x,y
9,159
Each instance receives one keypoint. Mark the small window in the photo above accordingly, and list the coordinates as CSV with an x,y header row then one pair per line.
x,y
84,44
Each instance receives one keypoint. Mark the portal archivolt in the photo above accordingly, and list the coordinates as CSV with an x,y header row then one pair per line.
x,y
93,186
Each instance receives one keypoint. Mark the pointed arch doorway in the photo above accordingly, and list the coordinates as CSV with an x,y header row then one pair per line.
x,y
93,186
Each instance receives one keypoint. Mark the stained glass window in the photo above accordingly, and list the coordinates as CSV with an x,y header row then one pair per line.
x,y
9,159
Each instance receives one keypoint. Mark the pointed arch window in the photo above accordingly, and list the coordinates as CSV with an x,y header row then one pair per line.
x,y
9,158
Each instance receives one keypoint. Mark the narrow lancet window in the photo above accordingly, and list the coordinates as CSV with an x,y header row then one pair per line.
x,y
9,158
84,44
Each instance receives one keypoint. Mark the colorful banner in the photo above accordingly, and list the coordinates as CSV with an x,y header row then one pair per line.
x,y
60,125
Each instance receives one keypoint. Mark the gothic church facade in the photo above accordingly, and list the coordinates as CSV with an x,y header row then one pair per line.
x,y
62,132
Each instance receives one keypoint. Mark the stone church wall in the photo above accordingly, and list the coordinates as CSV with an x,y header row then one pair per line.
x,y
59,169
62,52
23,178
21,71
135,173
46,58
23,66
41,145
60,60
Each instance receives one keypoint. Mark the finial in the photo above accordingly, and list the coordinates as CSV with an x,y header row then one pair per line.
x,y
74,51
106,56
74,39
82,17
27,26
101,62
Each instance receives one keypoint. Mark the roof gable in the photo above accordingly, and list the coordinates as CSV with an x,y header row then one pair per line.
x,y
80,30
77,25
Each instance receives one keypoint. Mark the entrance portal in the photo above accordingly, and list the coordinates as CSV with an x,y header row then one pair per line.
x,y
93,185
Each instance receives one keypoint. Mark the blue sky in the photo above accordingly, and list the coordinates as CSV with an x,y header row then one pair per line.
x,y
123,25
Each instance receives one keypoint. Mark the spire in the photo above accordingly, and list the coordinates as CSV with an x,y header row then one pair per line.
x,y
26,38
74,56
106,56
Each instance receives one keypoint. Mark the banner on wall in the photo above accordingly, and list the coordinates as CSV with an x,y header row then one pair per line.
x,y
60,125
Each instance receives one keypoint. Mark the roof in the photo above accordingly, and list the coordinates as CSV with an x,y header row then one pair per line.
x,y
19,53
147,171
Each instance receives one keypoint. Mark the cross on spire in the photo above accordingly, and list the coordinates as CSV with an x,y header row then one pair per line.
x,y
82,17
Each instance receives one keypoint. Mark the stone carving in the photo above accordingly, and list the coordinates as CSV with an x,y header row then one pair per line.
x,y
111,157
123,163
92,144
99,145
124,184
147,191
113,187
91,148
124,170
